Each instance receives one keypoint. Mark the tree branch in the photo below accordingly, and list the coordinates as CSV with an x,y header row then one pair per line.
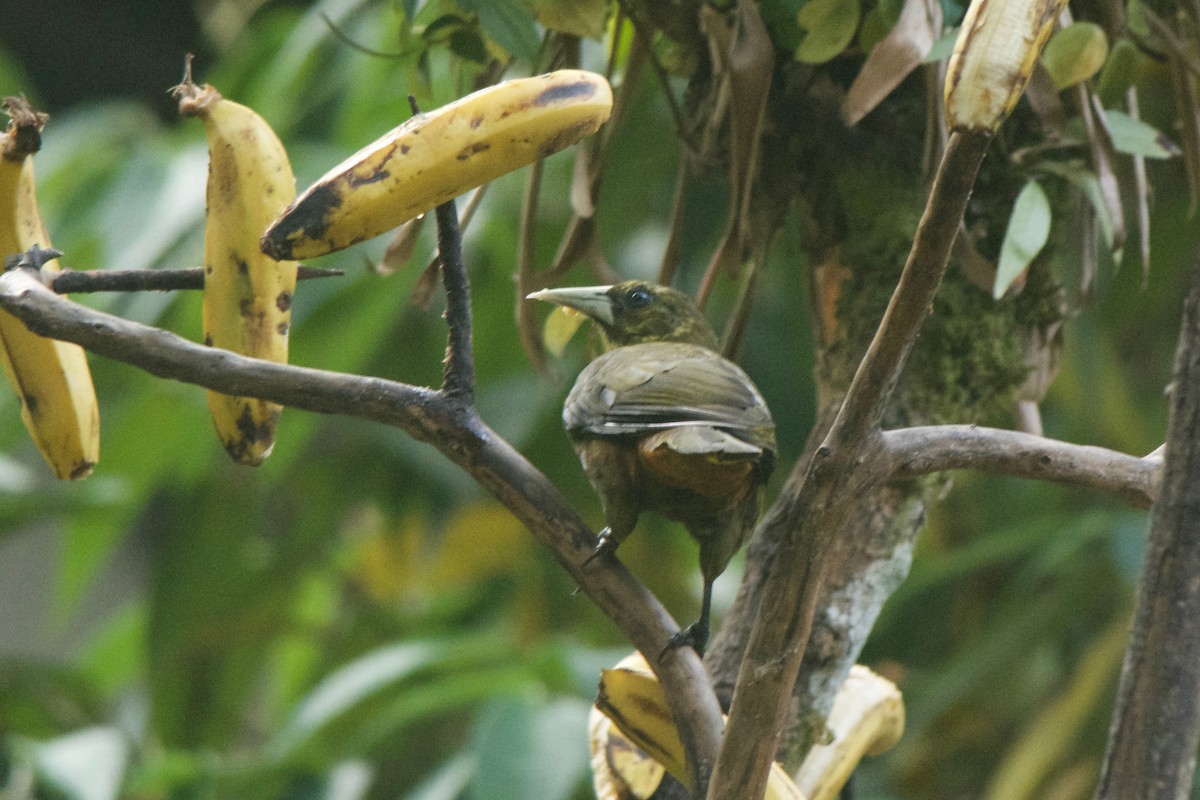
x,y
912,452
70,281
458,382
1156,722
426,415
847,463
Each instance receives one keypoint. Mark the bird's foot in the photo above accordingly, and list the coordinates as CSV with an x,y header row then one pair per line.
x,y
604,544
694,636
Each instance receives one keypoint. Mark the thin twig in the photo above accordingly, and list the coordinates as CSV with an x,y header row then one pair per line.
x,y
458,380
643,38
527,328
735,328
670,256
71,281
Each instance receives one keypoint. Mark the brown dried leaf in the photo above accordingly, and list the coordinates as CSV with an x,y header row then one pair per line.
x,y
422,291
1046,101
400,248
1189,125
751,63
978,269
1141,191
582,201
1103,162
893,58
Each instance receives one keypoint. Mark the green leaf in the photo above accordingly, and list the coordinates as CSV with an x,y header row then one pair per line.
x,y
943,47
455,669
356,681
449,781
829,27
1120,71
1136,138
509,25
583,18
1028,230
528,748
1086,182
1075,53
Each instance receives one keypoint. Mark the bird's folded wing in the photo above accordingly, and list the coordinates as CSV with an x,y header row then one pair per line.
x,y
644,388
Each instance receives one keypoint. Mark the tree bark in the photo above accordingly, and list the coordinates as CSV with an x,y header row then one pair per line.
x,y
1156,722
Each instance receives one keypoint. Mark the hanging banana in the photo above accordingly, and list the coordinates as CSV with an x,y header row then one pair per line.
x,y
247,295
51,378
434,157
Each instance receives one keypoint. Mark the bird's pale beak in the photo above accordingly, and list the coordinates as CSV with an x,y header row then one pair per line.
x,y
591,300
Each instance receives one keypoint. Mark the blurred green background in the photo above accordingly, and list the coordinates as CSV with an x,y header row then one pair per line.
x,y
356,618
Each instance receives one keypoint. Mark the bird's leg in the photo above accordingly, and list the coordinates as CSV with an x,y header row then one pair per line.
x,y
605,543
696,634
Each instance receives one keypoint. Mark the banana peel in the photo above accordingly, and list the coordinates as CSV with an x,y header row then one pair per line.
x,y
641,730
634,742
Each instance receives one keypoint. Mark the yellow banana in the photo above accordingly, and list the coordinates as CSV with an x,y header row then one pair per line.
x,y
632,699
993,60
247,296
436,156
51,378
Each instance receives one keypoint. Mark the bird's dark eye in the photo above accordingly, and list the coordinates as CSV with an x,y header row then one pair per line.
x,y
638,298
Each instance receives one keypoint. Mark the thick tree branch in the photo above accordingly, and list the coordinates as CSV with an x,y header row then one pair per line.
x,y
1156,722
912,452
847,463
426,415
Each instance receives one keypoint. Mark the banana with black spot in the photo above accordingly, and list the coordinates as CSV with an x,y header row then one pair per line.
x,y
436,156
51,378
247,295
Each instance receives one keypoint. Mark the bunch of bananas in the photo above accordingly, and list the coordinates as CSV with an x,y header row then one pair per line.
x,y
51,378
254,230
250,276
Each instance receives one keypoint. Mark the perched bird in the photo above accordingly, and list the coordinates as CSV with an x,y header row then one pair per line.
x,y
664,423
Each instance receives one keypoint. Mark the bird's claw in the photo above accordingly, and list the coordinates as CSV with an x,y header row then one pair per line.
x,y
694,636
604,545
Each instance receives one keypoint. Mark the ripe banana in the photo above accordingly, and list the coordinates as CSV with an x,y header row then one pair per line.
x,y
436,156
632,699
247,296
51,378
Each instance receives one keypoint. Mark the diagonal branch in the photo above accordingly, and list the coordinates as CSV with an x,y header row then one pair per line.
x,y
428,416
848,462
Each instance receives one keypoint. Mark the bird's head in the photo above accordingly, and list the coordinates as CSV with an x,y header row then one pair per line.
x,y
635,312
